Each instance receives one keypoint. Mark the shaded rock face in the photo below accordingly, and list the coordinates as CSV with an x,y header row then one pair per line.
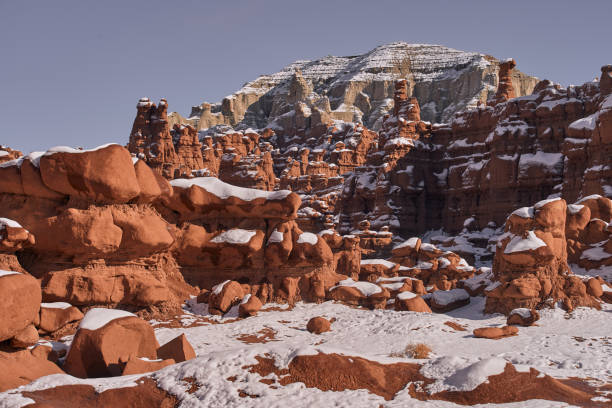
x,y
360,88
530,266
235,157
486,162
505,88
169,152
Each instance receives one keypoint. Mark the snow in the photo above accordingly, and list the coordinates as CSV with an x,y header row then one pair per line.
x,y
521,311
591,197
98,317
3,153
428,247
67,149
551,161
595,254
308,238
410,242
275,237
387,264
574,208
218,288
443,262
366,288
7,273
460,374
55,305
477,281
542,203
399,141
393,286
446,297
5,222
519,244
588,122
234,236
224,190
553,103
406,295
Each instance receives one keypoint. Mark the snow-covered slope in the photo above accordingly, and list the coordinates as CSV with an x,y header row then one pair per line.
x,y
561,345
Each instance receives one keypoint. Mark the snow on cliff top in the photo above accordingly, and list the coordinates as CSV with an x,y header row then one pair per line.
x,y
223,190
426,62
234,236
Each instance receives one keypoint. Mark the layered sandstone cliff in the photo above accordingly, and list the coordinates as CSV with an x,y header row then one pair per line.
x,y
360,88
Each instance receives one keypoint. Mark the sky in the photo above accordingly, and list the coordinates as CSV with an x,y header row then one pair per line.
x,y
71,72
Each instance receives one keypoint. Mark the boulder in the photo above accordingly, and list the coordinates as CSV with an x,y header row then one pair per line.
x,y
411,302
359,293
203,296
178,349
54,316
594,287
25,338
20,297
523,317
223,296
249,306
105,340
141,365
447,300
13,237
495,333
318,325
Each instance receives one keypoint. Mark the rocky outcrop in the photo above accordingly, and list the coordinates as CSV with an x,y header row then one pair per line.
x,y
359,88
505,88
151,139
530,266
485,162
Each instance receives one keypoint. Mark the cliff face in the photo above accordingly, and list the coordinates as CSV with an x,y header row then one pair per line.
x,y
488,161
360,88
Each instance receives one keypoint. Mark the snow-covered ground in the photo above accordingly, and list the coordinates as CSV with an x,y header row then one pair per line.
x,y
561,344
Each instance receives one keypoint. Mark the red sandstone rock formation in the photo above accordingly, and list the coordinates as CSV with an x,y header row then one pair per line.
x,y
177,349
505,89
106,340
488,161
530,265
19,306
24,366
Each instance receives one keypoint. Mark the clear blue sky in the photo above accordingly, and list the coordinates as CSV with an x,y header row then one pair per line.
x,y
71,72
